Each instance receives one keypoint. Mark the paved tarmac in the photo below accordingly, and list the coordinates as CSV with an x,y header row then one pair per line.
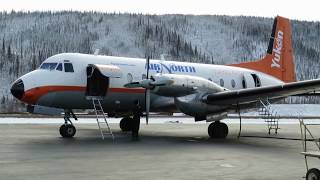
x,y
164,151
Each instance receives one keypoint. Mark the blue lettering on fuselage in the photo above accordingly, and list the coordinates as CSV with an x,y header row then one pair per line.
x,y
171,68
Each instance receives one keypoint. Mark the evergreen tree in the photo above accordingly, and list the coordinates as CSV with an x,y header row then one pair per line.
x,y
3,47
3,100
9,53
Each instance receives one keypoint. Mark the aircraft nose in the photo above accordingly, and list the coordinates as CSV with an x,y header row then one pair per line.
x,y
17,89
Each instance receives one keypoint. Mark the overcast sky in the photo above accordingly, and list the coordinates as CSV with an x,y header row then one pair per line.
x,y
303,9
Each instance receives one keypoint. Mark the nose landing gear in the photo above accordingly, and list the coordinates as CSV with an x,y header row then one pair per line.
x,y
67,130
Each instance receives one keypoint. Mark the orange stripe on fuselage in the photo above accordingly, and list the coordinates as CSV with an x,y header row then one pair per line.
x,y
31,96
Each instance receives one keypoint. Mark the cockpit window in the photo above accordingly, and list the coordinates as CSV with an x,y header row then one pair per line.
x,y
68,67
59,67
49,66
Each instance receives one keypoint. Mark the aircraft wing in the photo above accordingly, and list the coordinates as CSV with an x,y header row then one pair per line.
x,y
312,93
246,96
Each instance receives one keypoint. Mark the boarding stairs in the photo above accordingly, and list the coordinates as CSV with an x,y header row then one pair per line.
x,y
101,118
269,115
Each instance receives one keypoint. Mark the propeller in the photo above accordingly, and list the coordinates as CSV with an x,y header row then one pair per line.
x,y
149,84
147,92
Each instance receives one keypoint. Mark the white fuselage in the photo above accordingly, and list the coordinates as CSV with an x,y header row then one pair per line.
x,y
66,90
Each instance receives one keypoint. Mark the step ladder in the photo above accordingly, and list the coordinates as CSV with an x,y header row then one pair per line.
x,y
101,115
270,116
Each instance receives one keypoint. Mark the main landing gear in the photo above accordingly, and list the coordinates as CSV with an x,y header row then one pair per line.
x,y
132,124
313,174
218,130
67,130
128,124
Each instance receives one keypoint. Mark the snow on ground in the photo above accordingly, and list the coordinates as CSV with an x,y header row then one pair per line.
x,y
309,110
157,120
292,110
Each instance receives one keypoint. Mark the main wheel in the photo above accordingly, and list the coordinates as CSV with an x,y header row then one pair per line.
x,y
126,124
67,130
313,174
218,130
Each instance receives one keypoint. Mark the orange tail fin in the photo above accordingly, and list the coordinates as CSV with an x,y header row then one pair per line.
x,y
279,60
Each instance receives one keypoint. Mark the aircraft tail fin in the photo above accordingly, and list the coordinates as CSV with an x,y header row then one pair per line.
x,y
278,61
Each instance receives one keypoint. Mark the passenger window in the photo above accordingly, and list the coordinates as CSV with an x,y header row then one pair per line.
x,y
68,67
244,85
221,82
59,67
233,83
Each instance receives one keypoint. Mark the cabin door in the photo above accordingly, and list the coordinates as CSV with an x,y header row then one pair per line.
x,y
98,79
97,83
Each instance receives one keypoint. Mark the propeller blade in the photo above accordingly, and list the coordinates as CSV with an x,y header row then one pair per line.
x,y
148,66
147,93
147,105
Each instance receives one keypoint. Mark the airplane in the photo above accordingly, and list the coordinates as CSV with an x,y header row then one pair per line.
x,y
129,87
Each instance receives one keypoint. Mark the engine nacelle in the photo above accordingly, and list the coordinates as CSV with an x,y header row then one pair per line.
x,y
193,106
182,85
216,116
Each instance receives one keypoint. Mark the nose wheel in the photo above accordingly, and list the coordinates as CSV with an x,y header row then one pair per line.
x,y
67,130
218,130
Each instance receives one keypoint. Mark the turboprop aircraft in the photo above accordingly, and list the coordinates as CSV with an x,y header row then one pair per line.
x,y
129,87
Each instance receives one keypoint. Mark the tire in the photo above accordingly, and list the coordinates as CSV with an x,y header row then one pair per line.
x,y
218,130
126,124
62,130
210,130
313,174
67,130
223,131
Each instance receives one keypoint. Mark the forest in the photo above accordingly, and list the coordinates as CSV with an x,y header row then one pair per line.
x,y
28,38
